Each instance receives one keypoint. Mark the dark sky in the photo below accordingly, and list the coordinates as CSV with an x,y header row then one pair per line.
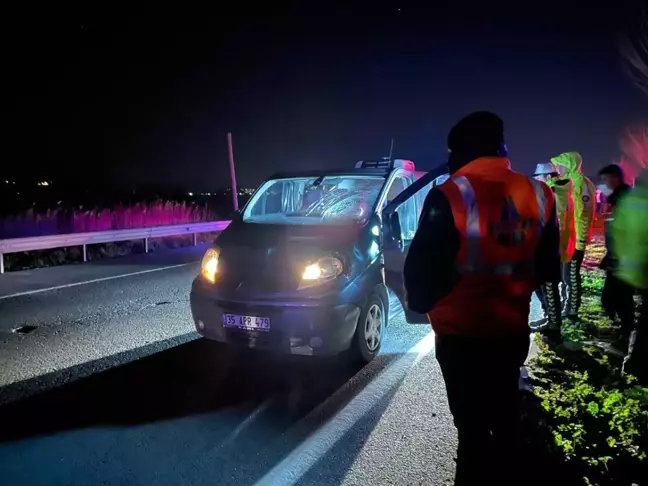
x,y
148,97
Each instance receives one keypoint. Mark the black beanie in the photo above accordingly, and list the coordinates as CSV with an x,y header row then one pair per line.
x,y
480,134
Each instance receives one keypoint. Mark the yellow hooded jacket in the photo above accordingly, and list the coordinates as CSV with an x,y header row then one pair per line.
x,y
584,196
564,190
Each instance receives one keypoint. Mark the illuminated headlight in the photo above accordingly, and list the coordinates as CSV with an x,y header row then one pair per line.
x,y
324,269
209,265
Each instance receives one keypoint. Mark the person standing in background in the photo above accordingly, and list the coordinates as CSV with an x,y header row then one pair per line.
x,y
570,165
554,303
629,232
617,296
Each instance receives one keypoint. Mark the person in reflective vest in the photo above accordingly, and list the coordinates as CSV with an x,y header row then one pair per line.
x,y
487,238
570,165
629,232
554,303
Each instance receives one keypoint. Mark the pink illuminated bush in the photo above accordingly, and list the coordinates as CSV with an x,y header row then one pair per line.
x,y
61,221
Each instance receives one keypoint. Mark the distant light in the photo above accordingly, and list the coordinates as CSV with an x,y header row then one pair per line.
x,y
44,183
190,194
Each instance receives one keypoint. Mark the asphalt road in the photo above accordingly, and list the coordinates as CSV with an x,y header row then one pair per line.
x,y
112,386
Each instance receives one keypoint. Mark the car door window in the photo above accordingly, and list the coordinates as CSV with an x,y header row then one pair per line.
x,y
408,214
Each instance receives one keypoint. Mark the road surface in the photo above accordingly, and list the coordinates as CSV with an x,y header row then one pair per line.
x,y
111,385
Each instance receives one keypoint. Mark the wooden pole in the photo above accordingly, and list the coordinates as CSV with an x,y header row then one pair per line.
x,y
232,171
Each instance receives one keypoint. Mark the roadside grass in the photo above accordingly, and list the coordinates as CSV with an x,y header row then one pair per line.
x,y
592,419
81,220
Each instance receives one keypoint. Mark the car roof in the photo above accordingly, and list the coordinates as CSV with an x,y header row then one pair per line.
x,y
331,173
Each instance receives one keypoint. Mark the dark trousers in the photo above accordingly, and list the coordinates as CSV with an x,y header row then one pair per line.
x,y
553,297
482,378
617,299
575,287
636,362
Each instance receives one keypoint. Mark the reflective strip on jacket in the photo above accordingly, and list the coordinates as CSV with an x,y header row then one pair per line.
x,y
563,191
499,215
584,196
629,234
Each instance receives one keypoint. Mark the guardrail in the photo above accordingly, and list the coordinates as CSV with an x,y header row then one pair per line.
x,y
50,242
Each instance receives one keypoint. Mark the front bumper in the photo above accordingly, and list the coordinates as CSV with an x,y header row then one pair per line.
x,y
311,327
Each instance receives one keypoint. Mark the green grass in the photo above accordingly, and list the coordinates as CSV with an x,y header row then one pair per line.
x,y
596,417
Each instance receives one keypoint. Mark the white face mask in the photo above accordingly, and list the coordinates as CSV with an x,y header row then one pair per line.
x,y
604,190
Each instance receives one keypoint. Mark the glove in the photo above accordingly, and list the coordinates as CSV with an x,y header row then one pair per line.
x,y
578,255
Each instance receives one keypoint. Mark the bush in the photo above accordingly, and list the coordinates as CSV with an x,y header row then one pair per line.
x,y
79,220
597,417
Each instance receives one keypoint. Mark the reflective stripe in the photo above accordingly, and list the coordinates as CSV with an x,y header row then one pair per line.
x,y
472,215
473,230
541,199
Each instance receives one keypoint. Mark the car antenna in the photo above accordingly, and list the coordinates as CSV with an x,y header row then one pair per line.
x,y
391,150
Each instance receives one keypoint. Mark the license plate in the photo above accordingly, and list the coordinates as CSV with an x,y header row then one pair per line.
x,y
250,323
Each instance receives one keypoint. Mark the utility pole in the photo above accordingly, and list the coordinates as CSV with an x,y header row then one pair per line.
x,y
232,171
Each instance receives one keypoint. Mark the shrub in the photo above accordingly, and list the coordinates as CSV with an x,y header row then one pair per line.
x,y
80,220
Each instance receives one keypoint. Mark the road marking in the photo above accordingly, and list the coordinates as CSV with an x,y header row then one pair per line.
x,y
245,423
309,452
102,279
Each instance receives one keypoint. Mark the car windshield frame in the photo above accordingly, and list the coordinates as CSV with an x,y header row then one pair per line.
x,y
294,218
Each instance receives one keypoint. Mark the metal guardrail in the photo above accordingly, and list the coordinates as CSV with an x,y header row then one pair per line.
x,y
17,245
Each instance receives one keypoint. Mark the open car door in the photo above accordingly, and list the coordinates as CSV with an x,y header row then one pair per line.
x,y
397,236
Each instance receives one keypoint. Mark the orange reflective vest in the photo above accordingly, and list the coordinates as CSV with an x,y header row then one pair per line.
x,y
500,215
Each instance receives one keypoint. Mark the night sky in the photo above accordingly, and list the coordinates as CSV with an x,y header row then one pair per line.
x,y
148,97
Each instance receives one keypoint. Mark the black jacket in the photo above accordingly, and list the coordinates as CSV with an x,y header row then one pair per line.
x,y
617,194
430,270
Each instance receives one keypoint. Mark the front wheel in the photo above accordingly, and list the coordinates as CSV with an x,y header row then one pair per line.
x,y
371,328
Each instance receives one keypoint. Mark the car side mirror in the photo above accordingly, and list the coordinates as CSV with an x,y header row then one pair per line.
x,y
395,234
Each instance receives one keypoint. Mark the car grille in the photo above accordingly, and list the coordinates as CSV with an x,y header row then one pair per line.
x,y
258,271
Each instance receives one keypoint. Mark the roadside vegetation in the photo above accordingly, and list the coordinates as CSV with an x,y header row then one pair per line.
x,y
592,420
80,220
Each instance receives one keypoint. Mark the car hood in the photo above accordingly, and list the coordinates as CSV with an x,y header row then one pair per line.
x,y
267,258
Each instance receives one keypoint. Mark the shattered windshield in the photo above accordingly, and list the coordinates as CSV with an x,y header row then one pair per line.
x,y
314,200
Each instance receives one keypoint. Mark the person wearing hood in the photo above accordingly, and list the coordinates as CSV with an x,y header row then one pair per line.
x,y
617,297
629,234
486,237
548,294
570,165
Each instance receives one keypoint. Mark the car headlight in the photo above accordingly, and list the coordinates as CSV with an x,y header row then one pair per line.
x,y
209,264
324,269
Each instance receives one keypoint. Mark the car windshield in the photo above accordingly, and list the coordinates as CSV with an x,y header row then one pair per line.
x,y
314,200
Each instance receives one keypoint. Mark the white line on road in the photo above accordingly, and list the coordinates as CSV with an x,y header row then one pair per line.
x,y
102,279
302,458
243,425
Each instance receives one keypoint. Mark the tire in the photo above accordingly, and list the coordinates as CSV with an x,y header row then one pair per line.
x,y
370,330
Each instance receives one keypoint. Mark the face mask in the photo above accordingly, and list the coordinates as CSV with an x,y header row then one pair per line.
x,y
603,189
